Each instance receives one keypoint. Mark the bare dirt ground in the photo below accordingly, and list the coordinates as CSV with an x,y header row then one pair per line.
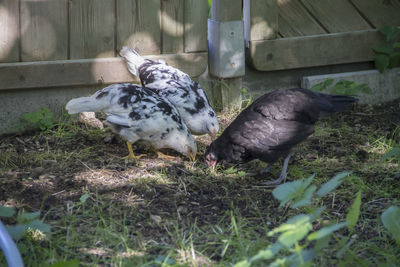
x,y
49,170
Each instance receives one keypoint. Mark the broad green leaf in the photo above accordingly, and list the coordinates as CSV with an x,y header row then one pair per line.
x,y
308,181
322,243
342,244
243,263
316,214
390,32
278,263
326,231
366,90
332,184
268,253
291,190
322,86
16,231
39,225
291,224
288,238
384,49
306,199
25,217
6,211
391,220
339,89
396,45
70,263
381,62
84,197
295,229
394,60
306,255
395,152
354,212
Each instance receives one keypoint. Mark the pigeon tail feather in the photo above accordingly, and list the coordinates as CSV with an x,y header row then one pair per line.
x,y
329,104
133,59
86,104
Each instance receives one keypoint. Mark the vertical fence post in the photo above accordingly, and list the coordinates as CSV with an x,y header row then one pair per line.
x,y
226,50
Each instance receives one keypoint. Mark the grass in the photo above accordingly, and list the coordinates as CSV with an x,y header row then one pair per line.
x,y
175,213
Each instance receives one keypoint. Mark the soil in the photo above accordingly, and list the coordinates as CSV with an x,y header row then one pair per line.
x,y
44,170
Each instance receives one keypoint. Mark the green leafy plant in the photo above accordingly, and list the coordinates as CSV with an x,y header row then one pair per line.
x,y
297,243
24,222
42,119
393,153
388,55
343,87
391,220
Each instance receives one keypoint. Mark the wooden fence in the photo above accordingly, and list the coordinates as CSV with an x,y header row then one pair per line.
x,y
288,34
51,38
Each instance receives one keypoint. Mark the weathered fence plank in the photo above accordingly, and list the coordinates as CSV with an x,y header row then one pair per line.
x,y
380,13
261,19
294,20
336,15
92,24
195,17
317,50
139,26
172,26
87,71
44,30
9,37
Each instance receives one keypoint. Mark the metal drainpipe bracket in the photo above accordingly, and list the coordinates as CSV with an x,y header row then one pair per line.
x,y
226,58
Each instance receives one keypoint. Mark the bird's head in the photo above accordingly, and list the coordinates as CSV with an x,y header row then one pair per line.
x,y
212,129
211,125
202,122
191,152
211,157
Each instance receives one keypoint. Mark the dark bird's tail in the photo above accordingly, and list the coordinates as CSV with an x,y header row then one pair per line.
x,y
329,104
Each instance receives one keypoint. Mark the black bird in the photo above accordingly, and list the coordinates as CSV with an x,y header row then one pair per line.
x,y
271,126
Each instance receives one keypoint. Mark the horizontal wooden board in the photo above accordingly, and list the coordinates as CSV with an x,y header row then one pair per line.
x,y
317,50
87,71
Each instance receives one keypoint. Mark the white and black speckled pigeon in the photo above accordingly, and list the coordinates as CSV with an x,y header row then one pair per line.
x,y
136,113
176,86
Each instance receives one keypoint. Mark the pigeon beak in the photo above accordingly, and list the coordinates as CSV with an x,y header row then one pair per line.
x,y
213,135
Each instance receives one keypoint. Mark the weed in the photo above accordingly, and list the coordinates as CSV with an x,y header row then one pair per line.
x,y
342,87
387,56
42,119
104,210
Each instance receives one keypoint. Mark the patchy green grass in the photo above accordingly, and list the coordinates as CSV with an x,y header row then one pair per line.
x,y
157,212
